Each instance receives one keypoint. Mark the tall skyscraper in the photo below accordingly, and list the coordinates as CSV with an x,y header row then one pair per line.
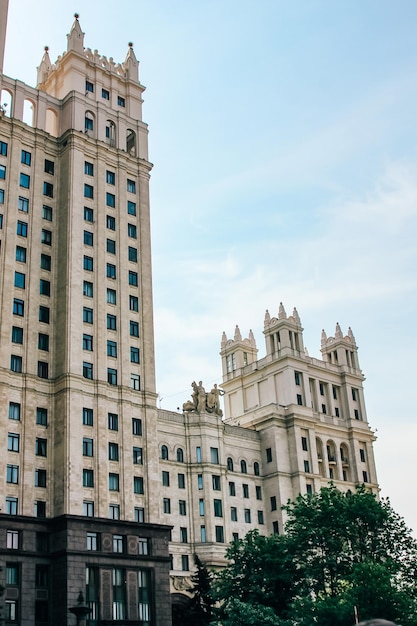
x,y
77,380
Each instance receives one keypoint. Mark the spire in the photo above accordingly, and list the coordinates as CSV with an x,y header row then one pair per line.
x,y
338,333
44,67
224,339
296,317
281,312
75,39
323,337
351,336
267,319
131,64
252,339
238,336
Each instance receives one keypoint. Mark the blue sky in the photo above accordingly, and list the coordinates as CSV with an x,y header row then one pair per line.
x,y
284,139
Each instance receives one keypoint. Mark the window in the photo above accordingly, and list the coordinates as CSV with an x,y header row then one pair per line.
x,y
232,489
49,167
12,574
258,491
134,355
111,296
336,411
137,456
88,215
185,563
89,87
247,516
88,446
40,446
180,455
22,229
132,254
12,474
321,389
13,442
183,535
182,507
43,342
12,539
143,546
1,220
111,376
299,399
40,508
200,481
121,101
46,237
110,222
87,315
136,426
181,481
46,262
87,370
166,504
17,334
306,466
25,157
18,307
131,185
219,534
198,454
133,303
216,483
233,514
132,231
304,444
245,490
362,455
87,417
113,421
11,506
105,94
23,204
113,482
113,451
48,189
165,479
214,455
44,287
309,489
110,177
297,376
16,363
110,200
218,508
24,181
88,191
2,172
87,289
269,455
88,478
111,348
3,148
14,411
118,543
110,271
88,263
44,314
243,467
131,208
356,413
41,416
139,514
43,369
261,517
111,246
1,196
20,254
92,541
11,610
88,241
88,168
133,278
365,476
88,123
273,503
275,528
135,382
88,508
114,511
111,322
354,394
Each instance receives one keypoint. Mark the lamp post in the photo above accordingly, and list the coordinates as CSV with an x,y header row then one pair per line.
x,y
81,610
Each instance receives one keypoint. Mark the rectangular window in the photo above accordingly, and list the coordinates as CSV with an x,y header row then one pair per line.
x,y
137,455
165,479
87,289
111,322
110,177
362,455
132,254
185,563
88,446
1,220
92,541
273,503
23,204
143,546
232,489
22,229
111,376
113,451
135,382
88,263
12,474
3,148
111,246
133,278
49,167
138,485
11,506
14,411
46,237
181,481
110,271
88,508
133,303
110,222
198,454
44,287
131,185
87,315
275,528
131,208
113,482
24,181
134,355
118,543
200,481
304,444
139,514
43,369
1,196
182,507
88,191
105,94
46,262
88,417
87,370
113,421
134,329
88,215
20,254
261,517
166,503
269,455
110,200
114,511
12,539
121,101
132,231
258,491
48,189
245,490
111,348
233,514
88,168
40,446
201,507
2,172
13,441
19,280
214,455
365,476
136,426
216,483
16,363
247,516
183,535
88,478
42,416
12,574
306,466
89,87
88,238
17,334
44,314
218,508
299,399
43,342
219,534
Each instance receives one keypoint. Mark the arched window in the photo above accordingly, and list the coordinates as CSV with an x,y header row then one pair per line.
x,y
131,142
51,123
256,468
111,133
230,464
164,453
243,467
180,455
89,123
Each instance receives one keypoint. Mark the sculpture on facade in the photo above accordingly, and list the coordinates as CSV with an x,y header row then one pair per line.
x,y
202,401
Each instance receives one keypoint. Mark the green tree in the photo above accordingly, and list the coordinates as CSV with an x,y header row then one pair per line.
x,y
200,608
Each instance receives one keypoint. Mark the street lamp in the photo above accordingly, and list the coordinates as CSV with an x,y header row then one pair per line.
x,y
81,610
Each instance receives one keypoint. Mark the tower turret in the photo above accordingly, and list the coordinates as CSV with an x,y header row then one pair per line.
x,y
283,334
236,353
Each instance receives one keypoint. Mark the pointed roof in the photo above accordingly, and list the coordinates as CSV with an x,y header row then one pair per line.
x,y
131,64
75,39
44,67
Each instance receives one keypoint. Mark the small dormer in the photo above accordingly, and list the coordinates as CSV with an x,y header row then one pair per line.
x,y
236,353
283,334
340,350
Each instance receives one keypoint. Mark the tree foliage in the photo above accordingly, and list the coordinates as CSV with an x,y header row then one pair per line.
x,y
341,550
